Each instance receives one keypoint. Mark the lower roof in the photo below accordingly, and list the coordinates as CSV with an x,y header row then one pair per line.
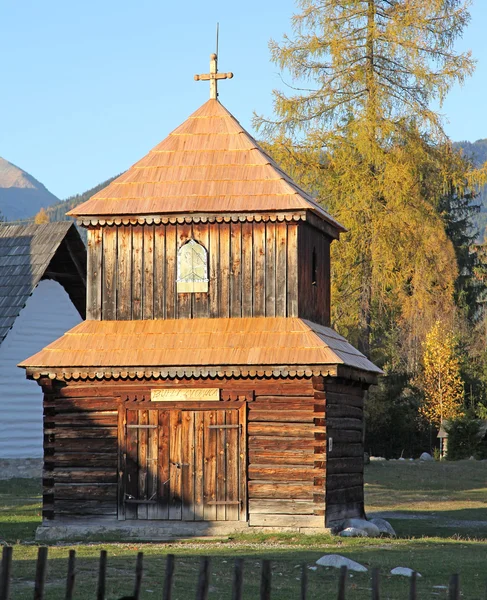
x,y
266,346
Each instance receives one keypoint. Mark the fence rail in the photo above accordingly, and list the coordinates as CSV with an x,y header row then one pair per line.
x,y
202,586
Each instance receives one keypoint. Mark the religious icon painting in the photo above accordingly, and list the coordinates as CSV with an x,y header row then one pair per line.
x,y
192,268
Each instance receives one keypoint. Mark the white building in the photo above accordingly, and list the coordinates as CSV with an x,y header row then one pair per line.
x,y
42,294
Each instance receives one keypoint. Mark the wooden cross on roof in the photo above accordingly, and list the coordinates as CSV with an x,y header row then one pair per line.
x,y
213,76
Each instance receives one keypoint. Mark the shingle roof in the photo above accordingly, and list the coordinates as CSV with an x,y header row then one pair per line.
x,y
26,251
208,164
197,347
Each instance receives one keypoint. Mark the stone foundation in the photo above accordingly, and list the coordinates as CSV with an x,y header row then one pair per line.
x,y
25,468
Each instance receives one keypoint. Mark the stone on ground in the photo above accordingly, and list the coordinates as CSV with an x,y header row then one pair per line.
x,y
426,456
353,532
405,571
337,561
370,529
383,526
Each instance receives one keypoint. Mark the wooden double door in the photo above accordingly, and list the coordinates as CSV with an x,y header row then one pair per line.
x,y
187,465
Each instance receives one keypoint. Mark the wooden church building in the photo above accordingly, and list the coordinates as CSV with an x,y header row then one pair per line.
x,y
206,392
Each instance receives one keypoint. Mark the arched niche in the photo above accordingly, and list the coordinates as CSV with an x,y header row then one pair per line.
x,y
192,274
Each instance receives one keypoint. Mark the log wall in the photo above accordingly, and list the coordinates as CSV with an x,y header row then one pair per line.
x,y
80,455
345,461
286,445
291,479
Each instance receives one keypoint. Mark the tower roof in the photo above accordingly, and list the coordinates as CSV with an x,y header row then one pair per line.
x,y
209,164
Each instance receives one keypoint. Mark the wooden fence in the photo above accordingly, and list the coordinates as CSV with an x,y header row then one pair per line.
x,y
202,586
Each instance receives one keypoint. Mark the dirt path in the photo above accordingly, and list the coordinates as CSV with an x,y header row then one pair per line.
x,y
442,521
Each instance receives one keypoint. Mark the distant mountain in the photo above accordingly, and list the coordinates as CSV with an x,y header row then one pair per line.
x,y
21,195
57,212
477,152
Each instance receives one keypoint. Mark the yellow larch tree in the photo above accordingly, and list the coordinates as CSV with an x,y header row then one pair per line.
x,y
358,129
41,217
440,379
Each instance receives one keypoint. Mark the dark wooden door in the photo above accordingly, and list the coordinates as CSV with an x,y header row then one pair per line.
x,y
183,465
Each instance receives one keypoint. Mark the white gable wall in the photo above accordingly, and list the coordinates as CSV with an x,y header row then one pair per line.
x,y
47,315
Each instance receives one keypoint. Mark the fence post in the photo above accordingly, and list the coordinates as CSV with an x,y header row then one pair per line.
x,y
304,581
6,572
237,583
342,582
70,575
203,579
102,576
166,592
375,584
138,575
412,586
265,580
454,588
40,573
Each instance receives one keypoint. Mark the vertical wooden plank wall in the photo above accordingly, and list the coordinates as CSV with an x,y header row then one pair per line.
x,y
345,456
313,298
95,270
253,271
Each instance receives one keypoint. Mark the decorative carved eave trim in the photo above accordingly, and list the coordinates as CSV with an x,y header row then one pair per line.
x,y
192,218
221,372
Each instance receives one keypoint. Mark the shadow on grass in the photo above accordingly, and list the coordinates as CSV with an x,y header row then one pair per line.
x,y
20,509
436,562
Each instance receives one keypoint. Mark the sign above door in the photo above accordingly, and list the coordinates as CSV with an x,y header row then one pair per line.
x,y
191,394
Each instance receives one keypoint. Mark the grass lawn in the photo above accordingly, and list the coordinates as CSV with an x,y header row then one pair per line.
x,y
437,510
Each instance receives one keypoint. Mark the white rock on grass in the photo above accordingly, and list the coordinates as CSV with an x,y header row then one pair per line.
x,y
383,526
426,456
377,459
404,571
353,532
370,529
336,561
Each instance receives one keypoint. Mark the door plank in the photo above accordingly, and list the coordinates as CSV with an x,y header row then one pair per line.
x,y
187,468
209,483
232,460
175,491
131,482
152,463
142,457
221,452
163,466
199,426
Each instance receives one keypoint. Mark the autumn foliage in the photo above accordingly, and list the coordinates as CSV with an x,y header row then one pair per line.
x,y
441,381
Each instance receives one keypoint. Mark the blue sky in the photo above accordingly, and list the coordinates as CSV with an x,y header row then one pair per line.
x,y
89,87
